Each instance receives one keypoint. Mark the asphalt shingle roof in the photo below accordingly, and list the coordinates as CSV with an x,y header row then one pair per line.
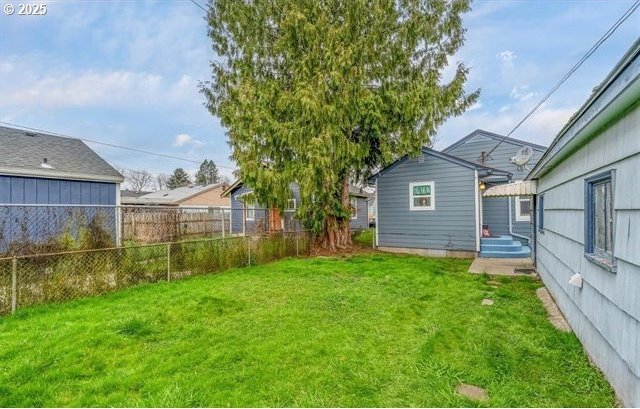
x,y
171,196
22,153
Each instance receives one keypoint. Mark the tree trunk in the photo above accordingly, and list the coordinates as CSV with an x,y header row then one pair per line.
x,y
337,234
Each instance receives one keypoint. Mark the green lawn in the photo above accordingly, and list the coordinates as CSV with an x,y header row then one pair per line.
x,y
370,330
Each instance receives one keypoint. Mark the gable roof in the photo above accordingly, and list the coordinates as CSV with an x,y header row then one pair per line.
x,y
619,90
447,157
494,136
22,153
177,195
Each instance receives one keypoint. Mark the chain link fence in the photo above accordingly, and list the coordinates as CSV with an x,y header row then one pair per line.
x,y
58,253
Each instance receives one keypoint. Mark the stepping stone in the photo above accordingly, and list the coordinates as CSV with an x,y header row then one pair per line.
x,y
553,312
472,392
493,283
487,301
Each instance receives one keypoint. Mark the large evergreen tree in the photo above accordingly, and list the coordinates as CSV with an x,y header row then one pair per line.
x,y
207,174
179,178
324,92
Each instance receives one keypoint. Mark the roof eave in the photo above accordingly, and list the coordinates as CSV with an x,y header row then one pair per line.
x,y
53,174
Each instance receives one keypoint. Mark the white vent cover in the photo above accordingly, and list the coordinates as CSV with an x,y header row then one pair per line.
x,y
576,280
421,159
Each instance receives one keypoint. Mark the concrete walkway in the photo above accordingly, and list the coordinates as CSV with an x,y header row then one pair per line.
x,y
500,266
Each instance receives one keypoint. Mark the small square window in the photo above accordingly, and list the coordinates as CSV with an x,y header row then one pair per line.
x,y
251,213
291,204
599,220
421,196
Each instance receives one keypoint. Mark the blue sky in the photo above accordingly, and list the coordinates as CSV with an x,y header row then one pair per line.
x,y
126,72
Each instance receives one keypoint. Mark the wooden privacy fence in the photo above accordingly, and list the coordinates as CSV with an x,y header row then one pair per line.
x,y
163,225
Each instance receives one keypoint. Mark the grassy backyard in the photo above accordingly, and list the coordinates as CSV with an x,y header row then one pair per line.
x,y
369,330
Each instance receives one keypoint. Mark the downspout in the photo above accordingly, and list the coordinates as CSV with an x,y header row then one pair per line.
x,y
377,214
478,221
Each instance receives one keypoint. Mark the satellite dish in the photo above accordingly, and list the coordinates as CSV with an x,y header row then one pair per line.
x,y
522,157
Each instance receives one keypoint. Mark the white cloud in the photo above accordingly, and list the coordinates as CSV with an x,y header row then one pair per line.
x,y
521,94
540,128
182,140
507,55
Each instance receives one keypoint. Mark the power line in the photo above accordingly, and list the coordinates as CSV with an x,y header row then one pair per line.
x,y
199,5
111,144
573,69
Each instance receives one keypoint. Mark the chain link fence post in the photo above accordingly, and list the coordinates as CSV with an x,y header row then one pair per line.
x,y
223,229
249,250
297,246
169,262
14,285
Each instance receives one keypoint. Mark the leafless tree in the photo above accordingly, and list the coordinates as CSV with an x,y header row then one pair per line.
x,y
138,179
161,181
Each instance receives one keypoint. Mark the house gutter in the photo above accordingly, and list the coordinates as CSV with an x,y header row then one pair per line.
x,y
478,221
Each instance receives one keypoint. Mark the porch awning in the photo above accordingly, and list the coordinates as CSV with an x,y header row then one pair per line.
x,y
525,188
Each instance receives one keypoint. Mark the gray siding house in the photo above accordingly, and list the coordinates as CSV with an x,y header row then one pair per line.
x,y
431,204
588,225
254,218
502,216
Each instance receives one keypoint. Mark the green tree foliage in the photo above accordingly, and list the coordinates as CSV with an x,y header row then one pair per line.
x,y
207,174
179,178
325,92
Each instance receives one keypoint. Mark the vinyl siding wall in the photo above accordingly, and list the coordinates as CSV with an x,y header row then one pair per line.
x,y
605,312
27,190
451,226
495,211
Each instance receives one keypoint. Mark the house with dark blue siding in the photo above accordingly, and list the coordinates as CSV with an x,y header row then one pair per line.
x,y
38,170
247,217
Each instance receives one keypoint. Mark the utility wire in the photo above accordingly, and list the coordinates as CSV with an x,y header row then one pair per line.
x,y
573,69
199,5
110,144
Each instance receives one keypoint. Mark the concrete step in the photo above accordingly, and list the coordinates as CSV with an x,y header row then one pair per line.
x,y
524,251
499,240
514,246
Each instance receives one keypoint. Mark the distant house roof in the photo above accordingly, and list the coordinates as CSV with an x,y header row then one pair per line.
x,y
494,136
172,196
24,153
353,190
619,90
130,193
449,158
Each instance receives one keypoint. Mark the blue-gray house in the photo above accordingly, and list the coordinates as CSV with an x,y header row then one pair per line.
x,y
433,204
587,232
247,217
38,170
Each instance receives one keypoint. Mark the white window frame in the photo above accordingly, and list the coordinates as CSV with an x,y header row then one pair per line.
x,y
432,195
253,213
520,217
295,205
353,201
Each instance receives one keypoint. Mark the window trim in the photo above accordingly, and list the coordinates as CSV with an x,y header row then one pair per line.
x,y
432,196
295,205
541,213
606,261
354,214
253,212
519,217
